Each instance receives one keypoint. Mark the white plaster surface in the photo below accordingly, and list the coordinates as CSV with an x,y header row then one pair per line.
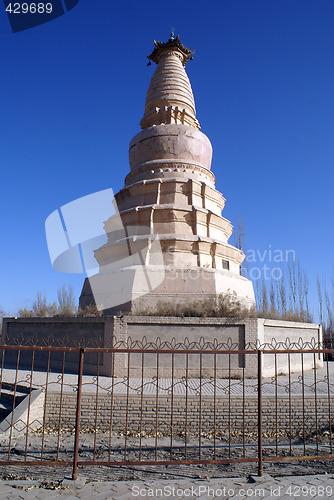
x,y
170,142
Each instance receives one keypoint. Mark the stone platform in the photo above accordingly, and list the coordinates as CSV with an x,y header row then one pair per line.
x,y
228,332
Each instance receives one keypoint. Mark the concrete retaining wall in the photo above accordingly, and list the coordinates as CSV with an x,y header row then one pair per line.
x,y
229,331
289,332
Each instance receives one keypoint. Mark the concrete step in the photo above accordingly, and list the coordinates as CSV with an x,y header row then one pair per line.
x,y
7,395
21,414
6,408
8,386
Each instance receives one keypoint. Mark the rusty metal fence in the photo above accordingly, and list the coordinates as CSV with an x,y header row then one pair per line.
x,y
140,403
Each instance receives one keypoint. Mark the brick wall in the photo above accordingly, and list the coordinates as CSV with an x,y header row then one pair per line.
x,y
242,414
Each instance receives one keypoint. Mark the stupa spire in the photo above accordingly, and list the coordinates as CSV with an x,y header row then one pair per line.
x,y
170,97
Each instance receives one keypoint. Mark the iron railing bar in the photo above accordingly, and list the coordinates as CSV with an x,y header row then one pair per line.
x,y
157,411
243,412
276,406
29,403
96,401
141,405
296,351
77,417
200,409
127,406
168,462
40,348
186,405
61,402
45,402
290,406
303,402
14,397
315,404
259,409
167,351
329,409
171,412
214,403
229,405
37,462
2,363
175,351
111,403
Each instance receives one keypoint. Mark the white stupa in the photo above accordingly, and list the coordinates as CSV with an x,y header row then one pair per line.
x,y
169,241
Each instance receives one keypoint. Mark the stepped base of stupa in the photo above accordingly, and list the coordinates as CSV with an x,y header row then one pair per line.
x,y
133,289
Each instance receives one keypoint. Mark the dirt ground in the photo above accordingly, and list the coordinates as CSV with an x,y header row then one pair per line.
x,y
102,444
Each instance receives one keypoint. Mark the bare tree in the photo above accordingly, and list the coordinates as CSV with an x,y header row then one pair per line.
x,y
239,234
2,314
239,242
320,297
329,308
300,289
272,299
262,298
292,278
25,313
305,288
283,293
326,306
41,308
66,302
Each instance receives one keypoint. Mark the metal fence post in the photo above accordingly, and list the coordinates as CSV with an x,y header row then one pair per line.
x,y
259,411
77,419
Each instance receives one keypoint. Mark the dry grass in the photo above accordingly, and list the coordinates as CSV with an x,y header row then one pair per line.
x,y
224,306
297,316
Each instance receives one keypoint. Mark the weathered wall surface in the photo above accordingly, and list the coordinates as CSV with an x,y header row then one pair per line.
x,y
289,332
64,332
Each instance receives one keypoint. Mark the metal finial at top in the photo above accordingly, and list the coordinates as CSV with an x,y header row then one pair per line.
x,y
172,44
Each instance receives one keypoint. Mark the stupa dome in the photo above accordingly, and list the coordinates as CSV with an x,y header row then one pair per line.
x,y
170,142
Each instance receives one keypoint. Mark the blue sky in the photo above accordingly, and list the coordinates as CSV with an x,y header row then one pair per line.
x,y
73,93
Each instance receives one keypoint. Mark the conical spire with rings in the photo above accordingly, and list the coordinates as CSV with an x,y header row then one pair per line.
x,y
169,97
